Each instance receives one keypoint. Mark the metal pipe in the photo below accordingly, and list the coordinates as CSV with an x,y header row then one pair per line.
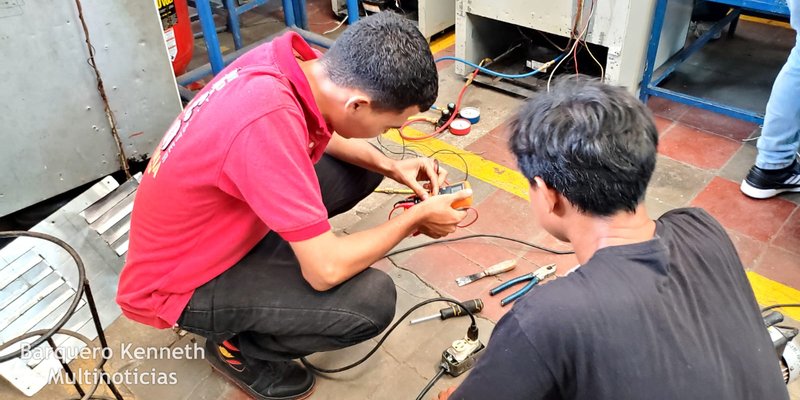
x,y
313,38
652,49
710,105
210,68
210,35
352,12
288,12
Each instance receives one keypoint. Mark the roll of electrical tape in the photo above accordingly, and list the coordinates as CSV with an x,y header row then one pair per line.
x,y
460,127
471,114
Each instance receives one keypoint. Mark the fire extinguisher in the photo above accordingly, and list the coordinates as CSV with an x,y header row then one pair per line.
x,y
177,32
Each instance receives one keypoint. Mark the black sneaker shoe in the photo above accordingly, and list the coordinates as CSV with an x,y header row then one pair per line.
x,y
263,380
766,183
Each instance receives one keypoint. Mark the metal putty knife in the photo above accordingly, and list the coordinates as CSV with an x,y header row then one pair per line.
x,y
499,268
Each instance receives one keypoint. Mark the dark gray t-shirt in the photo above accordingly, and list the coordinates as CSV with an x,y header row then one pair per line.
x,y
670,318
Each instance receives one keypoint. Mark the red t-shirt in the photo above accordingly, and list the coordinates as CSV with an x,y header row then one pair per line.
x,y
236,163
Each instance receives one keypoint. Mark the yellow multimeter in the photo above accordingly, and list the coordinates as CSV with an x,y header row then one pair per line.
x,y
456,187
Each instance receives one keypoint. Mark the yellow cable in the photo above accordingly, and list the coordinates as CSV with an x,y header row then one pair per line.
x,y
602,70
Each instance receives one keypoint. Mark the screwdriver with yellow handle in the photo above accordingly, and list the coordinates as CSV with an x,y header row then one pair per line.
x,y
474,306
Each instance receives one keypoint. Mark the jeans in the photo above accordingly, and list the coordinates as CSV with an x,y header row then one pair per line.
x,y
780,136
272,312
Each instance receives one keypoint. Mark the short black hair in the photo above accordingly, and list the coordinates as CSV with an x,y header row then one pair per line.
x,y
593,143
385,56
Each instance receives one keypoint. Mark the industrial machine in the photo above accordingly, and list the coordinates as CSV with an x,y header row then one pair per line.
x,y
58,139
433,16
530,33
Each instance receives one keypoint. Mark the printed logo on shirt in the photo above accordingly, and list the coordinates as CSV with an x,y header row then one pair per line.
x,y
179,126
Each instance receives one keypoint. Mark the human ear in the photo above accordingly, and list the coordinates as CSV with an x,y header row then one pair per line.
x,y
355,103
547,196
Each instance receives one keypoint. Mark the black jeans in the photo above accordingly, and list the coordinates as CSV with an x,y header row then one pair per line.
x,y
272,312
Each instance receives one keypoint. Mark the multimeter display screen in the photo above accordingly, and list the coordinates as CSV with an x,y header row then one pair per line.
x,y
452,188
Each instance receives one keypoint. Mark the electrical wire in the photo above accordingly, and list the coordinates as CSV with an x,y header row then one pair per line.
x,y
336,28
473,220
500,74
574,46
602,70
479,235
577,20
452,117
553,72
430,384
774,306
473,329
578,14
588,49
426,136
457,154
473,326
545,38
112,121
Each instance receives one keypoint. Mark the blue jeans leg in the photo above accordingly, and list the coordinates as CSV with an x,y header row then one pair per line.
x,y
780,136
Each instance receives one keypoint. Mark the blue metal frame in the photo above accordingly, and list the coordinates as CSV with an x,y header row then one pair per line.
x,y
210,34
291,9
650,80
217,62
294,11
776,7
352,11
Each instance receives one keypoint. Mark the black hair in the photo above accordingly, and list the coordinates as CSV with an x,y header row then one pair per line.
x,y
593,143
385,56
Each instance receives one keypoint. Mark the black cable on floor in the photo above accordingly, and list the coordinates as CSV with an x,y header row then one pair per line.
x,y
473,328
483,235
774,306
430,384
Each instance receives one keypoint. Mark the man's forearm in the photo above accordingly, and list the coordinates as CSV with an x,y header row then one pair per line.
x,y
328,260
359,152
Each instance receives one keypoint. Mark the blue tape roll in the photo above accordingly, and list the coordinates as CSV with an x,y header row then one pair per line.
x,y
471,114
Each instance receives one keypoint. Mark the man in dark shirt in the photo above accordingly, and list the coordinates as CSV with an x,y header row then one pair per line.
x,y
657,310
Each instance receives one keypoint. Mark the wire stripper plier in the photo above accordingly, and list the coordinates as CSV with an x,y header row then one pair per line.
x,y
534,277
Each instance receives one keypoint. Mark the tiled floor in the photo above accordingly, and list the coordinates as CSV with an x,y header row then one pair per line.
x,y
701,162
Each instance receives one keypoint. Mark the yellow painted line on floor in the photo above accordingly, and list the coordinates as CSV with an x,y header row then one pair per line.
x,y
769,292
765,21
479,168
443,42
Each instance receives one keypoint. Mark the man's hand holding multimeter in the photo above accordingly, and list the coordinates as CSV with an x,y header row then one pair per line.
x,y
442,212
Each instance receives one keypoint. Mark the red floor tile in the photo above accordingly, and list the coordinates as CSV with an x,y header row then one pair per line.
x,y
438,261
758,219
663,125
698,148
788,238
749,249
494,146
723,125
492,308
439,266
666,108
780,265
485,253
564,263
505,214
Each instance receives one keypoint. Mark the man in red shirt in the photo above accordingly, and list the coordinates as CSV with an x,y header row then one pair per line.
x,y
229,234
